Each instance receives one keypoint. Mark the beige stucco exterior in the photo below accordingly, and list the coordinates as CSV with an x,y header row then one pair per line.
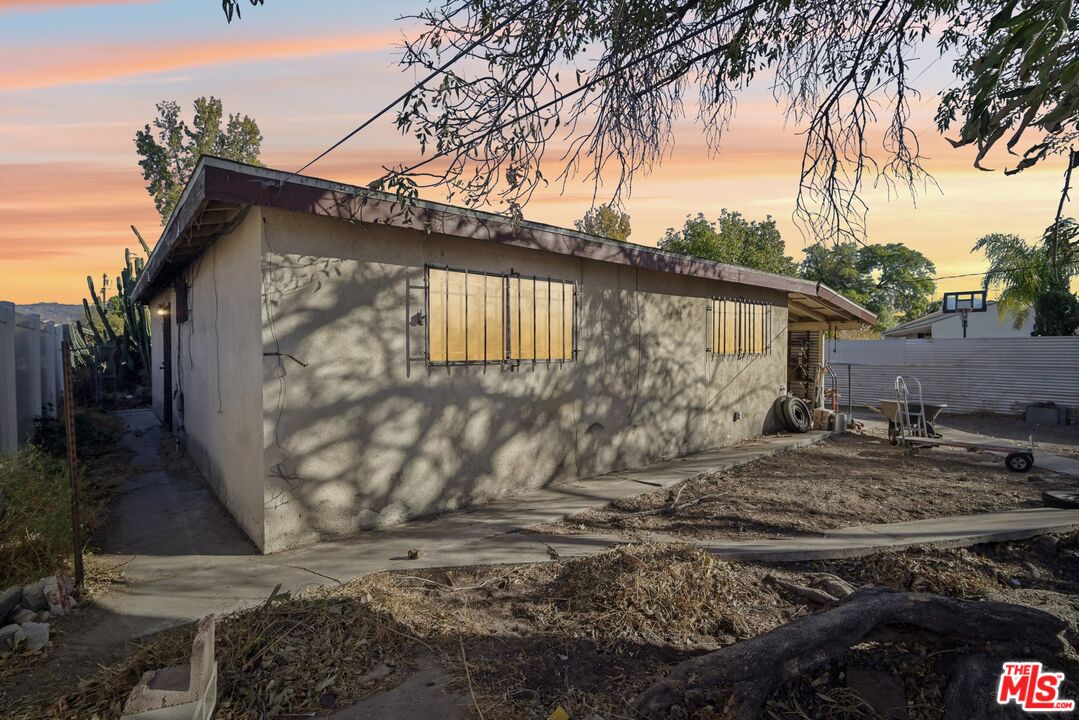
x,y
362,438
217,371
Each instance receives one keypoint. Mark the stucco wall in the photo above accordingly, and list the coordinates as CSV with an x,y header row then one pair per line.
x,y
359,438
216,371
157,352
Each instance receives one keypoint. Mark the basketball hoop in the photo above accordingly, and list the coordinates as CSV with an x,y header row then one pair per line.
x,y
964,303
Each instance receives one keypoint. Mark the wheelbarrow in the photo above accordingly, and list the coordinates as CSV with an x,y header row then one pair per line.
x,y
910,424
891,410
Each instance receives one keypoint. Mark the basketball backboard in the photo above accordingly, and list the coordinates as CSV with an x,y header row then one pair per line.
x,y
964,302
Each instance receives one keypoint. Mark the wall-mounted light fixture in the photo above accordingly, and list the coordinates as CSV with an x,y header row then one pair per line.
x,y
162,309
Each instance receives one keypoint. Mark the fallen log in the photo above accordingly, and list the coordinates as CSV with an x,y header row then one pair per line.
x,y
742,677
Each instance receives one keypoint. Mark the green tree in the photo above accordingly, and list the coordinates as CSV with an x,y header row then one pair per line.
x,y
1056,312
607,80
837,267
170,149
605,221
1034,276
733,240
891,280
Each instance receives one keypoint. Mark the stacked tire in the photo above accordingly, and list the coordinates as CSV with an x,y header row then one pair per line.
x,y
795,414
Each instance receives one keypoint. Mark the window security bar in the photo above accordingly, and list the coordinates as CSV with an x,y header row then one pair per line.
x,y
482,318
738,327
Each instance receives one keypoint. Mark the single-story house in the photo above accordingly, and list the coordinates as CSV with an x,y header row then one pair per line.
x,y
938,325
333,361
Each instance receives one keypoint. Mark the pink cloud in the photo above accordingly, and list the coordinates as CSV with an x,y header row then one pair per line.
x,y
51,67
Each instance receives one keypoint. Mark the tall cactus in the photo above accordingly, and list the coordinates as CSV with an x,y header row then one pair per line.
x,y
132,343
81,351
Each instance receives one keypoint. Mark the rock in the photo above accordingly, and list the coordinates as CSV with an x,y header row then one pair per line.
x,y
7,636
23,616
33,596
34,636
9,600
56,595
43,616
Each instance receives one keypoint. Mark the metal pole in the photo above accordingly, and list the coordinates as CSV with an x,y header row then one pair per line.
x,y
72,460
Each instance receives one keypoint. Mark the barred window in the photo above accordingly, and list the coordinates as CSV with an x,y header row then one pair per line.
x,y
541,318
484,318
465,313
739,327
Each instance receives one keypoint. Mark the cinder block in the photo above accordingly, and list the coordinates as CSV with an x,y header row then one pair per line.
x,y
185,692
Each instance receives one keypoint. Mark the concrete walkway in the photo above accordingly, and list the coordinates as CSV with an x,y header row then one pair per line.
x,y
174,584
184,557
949,532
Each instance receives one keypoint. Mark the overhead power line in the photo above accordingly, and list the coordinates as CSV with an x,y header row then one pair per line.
x,y
988,272
405,95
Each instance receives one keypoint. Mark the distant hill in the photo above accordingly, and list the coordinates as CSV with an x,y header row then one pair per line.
x,y
56,312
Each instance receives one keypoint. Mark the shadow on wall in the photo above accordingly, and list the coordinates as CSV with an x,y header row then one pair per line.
x,y
358,438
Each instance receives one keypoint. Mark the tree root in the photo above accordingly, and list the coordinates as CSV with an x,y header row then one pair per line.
x,y
742,677
674,506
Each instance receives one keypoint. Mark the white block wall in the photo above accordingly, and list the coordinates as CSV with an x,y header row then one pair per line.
x,y
31,374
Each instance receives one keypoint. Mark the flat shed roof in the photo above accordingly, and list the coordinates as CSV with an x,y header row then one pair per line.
x,y
220,191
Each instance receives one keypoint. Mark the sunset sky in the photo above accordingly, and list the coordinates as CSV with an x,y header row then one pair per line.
x,y
79,77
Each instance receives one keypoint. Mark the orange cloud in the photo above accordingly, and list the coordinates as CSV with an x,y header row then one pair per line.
x,y
97,63
51,209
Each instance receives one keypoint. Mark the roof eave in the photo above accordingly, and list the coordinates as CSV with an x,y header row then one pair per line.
x,y
220,184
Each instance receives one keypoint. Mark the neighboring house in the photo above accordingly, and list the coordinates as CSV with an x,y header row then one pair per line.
x,y
332,363
988,324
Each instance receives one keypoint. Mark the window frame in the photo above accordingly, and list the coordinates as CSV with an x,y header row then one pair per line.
x,y
551,281
744,316
508,358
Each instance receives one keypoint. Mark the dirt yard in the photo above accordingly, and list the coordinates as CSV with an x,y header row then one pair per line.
x,y
591,634
854,480
588,634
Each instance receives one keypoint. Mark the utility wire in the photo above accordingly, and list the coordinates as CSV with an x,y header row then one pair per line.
x,y
989,272
405,95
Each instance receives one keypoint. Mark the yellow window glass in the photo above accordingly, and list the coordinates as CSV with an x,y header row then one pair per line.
x,y
724,327
739,327
465,317
541,319
757,338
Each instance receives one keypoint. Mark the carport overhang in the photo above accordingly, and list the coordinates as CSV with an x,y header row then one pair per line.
x,y
221,192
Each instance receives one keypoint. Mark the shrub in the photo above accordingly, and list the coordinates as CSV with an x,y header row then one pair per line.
x,y
35,520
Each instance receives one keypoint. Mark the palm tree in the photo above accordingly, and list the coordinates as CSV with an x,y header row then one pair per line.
x,y
1023,273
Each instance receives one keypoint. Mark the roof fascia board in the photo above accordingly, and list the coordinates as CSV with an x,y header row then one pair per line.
x,y
234,182
189,207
